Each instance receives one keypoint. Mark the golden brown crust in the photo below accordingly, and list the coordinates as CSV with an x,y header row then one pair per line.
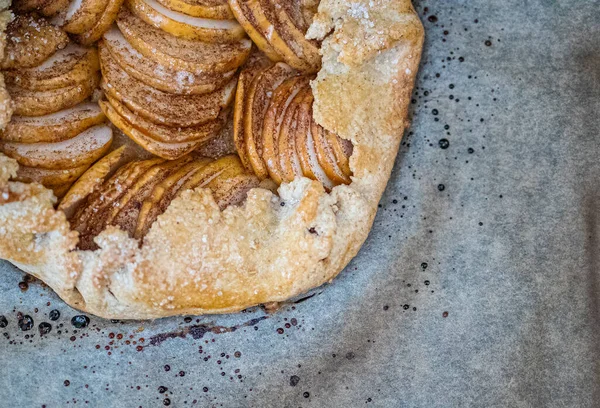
x,y
198,259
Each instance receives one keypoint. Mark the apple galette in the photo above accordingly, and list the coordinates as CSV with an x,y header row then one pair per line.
x,y
165,157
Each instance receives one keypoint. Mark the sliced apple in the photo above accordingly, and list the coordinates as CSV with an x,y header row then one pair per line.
x,y
306,50
54,127
305,146
102,25
126,210
177,53
225,181
93,178
295,11
184,26
82,15
210,172
288,158
326,156
232,189
169,151
67,67
165,134
257,103
244,82
53,7
303,127
49,177
159,76
30,41
214,9
341,148
229,168
260,14
39,103
162,194
83,149
282,98
90,219
247,19
162,107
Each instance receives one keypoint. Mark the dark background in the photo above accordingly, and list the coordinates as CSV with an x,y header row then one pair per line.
x,y
482,294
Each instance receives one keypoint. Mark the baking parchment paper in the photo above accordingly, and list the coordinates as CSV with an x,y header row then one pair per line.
x,y
478,286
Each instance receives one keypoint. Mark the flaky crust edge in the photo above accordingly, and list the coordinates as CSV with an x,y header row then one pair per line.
x,y
199,260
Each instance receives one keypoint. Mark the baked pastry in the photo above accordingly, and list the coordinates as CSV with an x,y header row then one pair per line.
x,y
140,236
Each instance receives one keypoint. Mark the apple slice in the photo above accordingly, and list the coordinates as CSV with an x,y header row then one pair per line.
x,y
39,103
53,7
261,16
257,103
169,151
184,26
159,76
282,98
126,210
244,82
214,9
82,15
288,157
305,148
162,194
247,19
232,189
341,148
83,149
325,155
54,127
306,50
102,25
303,127
210,172
161,107
67,67
296,11
180,54
90,219
165,134
93,178
30,41
225,181
49,177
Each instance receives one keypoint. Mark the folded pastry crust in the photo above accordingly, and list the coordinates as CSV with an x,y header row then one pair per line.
x,y
197,259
